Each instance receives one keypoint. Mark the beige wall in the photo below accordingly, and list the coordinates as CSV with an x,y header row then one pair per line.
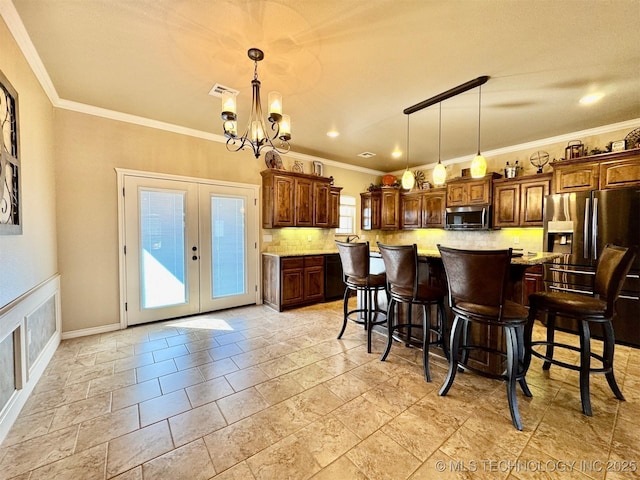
x,y
89,149
29,259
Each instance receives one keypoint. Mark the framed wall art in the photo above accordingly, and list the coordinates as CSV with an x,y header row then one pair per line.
x,y
318,168
10,192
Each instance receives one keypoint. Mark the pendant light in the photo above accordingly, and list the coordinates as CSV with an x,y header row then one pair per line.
x,y
479,163
439,172
408,179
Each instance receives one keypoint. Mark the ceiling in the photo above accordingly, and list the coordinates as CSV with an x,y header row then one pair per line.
x,y
353,66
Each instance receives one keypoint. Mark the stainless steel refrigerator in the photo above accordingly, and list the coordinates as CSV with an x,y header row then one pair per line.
x,y
579,225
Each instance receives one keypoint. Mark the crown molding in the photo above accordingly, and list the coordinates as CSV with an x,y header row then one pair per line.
x,y
543,142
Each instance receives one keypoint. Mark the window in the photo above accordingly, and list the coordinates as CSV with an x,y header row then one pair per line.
x,y
347,215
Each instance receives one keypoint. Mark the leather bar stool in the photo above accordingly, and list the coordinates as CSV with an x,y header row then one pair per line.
x,y
613,266
477,283
355,267
406,287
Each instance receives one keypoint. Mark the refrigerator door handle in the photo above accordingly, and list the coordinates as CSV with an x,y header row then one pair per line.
x,y
594,229
585,236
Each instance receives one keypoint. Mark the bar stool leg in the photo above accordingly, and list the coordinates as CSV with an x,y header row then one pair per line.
x,y
442,326
528,334
426,337
607,355
585,366
551,330
347,292
512,368
409,320
522,366
392,303
368,317
456,331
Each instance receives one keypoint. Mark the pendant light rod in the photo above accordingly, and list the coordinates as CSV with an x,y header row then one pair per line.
x,y
471,84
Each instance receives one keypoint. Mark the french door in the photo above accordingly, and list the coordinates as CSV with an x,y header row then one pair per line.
x,y
189,247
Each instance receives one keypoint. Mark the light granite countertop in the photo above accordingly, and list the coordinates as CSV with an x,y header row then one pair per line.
x,y
528,259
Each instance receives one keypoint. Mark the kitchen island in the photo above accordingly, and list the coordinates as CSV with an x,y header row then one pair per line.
x,y
293,279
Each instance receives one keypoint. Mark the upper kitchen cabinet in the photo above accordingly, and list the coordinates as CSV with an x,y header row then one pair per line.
x,y
292,199
422,209
470,191
597,172
518,202
380,209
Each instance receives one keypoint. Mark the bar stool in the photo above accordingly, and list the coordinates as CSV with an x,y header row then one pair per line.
x,y
355,267
477,283
406,287
613,266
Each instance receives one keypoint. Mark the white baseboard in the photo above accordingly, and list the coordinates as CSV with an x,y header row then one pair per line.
x,y
84,332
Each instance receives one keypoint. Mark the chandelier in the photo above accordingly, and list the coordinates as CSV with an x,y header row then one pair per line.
x,y
256,136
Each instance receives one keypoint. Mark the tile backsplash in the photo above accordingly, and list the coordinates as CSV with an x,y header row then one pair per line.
x,y
297,240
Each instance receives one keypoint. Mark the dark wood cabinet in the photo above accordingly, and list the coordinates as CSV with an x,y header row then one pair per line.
x,y
304,203
519,202
433,206
370,210
533,282
604,171
380,209
321,204
334,207
390,209
292,281
411,210
422,209
470,191
292,199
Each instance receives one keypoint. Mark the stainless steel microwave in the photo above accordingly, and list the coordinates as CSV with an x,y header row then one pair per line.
x,y
473,217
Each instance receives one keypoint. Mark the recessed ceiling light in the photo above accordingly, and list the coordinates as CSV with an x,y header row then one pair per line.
x,y
333,133
396,154
591,98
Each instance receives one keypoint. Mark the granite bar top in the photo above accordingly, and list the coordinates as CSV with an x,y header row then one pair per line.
x,y
528,259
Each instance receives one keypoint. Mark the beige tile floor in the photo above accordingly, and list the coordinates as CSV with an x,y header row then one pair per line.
x,y
254,394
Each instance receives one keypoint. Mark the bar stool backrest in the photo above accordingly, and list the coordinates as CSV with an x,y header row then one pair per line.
x,y
476,276
400,264
354,258
613,266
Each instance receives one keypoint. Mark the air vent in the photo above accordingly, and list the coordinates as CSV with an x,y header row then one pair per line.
x,y
218,89
366,154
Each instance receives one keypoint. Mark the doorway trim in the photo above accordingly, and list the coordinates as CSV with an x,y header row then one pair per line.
x,y
121,173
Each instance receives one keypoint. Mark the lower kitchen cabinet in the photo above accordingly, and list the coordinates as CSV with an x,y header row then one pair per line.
x,y
292,281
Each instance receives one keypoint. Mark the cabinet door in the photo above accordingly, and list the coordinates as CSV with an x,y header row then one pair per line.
x,y
411,211
433,210
370,210
506,205
334,207
533,282
390,209
283,201
620,173
456,194
320,204
531,201
304,202
292,281
314,278
479,192
576,178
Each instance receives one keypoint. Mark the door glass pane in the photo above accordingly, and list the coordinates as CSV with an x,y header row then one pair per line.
x,y
162,253
227,246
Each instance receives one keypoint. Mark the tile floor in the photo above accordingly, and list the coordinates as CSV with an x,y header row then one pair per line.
x,y
254,394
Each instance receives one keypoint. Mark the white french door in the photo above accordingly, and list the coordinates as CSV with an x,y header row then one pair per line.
x,y
189,247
